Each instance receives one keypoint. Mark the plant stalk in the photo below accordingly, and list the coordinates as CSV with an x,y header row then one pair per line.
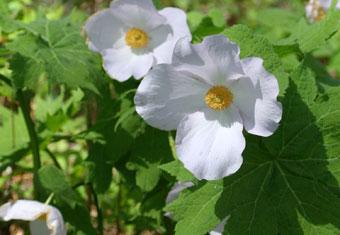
x,y
34,141
100,219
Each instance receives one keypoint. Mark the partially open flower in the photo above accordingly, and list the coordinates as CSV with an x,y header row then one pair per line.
x,y
208,94
316,10
44,219
132,36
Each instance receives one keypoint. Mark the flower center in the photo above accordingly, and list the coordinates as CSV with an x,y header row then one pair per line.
x,y
136,38
218,98
318,12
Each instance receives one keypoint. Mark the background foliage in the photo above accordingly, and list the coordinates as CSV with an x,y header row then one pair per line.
x,y
73,132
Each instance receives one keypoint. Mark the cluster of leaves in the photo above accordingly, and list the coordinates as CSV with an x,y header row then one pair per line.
x,y
97,153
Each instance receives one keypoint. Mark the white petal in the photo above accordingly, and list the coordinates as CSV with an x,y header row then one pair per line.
x,y
28,210
210,143
256,98
103,30
325,4
123,63
214,60
165,96
178,28
220,227
137,13
159,37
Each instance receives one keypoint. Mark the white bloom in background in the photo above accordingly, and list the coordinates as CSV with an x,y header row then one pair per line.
x,y
44,219
174,194
316,9
208,94
132,36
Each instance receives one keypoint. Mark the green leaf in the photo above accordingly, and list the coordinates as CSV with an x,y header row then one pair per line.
x,y
313,36
12,125
252,44
26,71
196,211
54,180
176,169
79,217
58,49
289,182
150,150
119,139
217,17
194,19
205,28
278,17
8,25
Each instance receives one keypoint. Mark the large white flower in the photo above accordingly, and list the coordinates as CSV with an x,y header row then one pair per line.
x,y
132,36
44,219
208,94
317,9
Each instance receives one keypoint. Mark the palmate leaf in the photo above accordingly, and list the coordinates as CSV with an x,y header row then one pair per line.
x,y
288,183
57,48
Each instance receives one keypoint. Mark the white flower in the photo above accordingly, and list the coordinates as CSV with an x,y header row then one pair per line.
x,y
44,219
317,9
208,94
132,36
174,194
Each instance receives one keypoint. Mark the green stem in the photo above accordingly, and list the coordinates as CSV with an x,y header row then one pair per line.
x,y
5,80
34,141
91,119
54,158
100,220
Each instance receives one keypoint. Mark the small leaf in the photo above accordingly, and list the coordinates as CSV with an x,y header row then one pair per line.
x,y
176,169
55,181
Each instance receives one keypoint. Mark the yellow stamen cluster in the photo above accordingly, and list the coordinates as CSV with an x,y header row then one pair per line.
x,y
136,38
42,217
218,98
318,11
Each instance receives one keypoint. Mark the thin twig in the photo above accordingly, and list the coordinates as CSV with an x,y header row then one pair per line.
x,y
54,158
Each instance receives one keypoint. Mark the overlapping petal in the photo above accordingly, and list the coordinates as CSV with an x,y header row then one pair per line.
x,y
214,60
103,30
255,96
210,144
137,13
123,63
178,28
165,96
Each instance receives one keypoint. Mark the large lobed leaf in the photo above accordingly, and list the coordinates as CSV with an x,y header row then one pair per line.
x,y
56,48
288,183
